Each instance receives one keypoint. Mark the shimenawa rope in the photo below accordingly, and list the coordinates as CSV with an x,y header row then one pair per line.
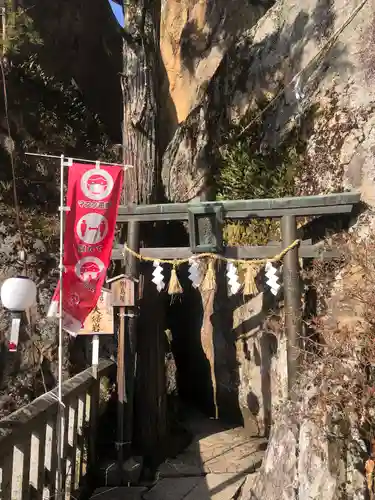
x,y
208,255
208,283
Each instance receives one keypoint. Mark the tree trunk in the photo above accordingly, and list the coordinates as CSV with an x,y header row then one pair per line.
x,y
140,85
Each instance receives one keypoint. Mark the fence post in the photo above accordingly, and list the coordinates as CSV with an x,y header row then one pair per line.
x,y
94,418
292,299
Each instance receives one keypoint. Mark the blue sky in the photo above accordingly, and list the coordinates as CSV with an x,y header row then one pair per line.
x,y
118,12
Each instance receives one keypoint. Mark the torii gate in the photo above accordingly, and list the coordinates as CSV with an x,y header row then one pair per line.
x,y
212,215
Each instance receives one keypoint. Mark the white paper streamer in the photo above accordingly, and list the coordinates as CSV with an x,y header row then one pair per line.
x,y
195,275
233,280
272,278
158,277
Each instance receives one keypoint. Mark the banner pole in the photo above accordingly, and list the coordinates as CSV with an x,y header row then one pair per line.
x,y
121,391
46,155
95,355
60,426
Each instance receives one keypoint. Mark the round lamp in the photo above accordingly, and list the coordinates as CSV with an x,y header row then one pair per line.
x,y
18,294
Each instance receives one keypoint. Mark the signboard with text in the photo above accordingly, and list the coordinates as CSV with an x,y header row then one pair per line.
x,y
100,319
123,292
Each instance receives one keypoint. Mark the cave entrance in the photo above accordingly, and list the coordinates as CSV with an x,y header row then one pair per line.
x,y
193,374
184,318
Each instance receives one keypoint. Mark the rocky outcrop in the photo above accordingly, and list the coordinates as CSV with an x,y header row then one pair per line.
x,y
301,73
262,364
196,37
331,102
310,458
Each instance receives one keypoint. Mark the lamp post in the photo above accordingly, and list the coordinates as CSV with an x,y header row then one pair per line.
x,y
17,295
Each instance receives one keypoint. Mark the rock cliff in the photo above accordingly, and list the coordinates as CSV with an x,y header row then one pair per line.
x,y
297,72
320,74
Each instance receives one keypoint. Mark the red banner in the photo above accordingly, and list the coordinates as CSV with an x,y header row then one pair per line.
x,y
93,197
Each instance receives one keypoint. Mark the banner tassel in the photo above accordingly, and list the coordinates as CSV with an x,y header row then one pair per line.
x,y
250,287
174,287
209,281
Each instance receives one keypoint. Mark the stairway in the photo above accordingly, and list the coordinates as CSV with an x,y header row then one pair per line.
x,y
219,463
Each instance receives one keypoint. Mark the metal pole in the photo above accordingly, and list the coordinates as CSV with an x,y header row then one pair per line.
x,y
121,390
95,356
292,299
131,331
60,418
46,155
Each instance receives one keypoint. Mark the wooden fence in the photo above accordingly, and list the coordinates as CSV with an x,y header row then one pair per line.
x,y
28,440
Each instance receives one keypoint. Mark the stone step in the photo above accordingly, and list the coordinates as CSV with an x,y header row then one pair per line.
x,y
109,473
119,493
241,457
210,487
228,464
247,487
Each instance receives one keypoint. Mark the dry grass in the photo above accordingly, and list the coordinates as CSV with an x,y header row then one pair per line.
x,y
338,349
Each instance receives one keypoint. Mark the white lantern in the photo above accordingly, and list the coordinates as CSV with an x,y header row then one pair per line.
x,y
18,294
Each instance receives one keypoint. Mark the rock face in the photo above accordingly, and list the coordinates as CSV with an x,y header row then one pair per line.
x,y
310,75
333,105
262,365
305,460
195,35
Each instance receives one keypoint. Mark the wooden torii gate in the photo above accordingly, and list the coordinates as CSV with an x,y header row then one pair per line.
x,y
205,222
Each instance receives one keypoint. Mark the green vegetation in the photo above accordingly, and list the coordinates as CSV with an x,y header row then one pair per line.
x,y
248,172
45,114
19,31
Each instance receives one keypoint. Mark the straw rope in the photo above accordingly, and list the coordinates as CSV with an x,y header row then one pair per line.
x,y
208,255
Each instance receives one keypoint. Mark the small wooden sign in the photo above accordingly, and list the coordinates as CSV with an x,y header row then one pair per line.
x,y
100,320
123,292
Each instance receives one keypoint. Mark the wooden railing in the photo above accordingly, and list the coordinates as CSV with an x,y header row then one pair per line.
x,y
28,440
